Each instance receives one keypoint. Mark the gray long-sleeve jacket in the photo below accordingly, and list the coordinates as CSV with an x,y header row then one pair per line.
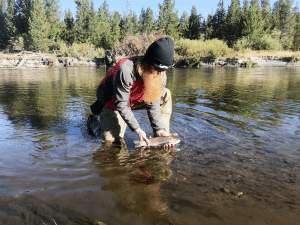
x,y
118,83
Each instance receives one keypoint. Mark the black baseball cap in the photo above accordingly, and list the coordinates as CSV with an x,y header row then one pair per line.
x,y
160,53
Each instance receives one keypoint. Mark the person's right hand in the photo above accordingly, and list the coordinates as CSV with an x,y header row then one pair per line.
x,y
142,136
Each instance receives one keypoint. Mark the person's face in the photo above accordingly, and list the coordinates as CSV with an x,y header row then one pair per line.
x,y
156,71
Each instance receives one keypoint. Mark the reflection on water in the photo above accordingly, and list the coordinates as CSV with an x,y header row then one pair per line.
x,y
239,131
136,179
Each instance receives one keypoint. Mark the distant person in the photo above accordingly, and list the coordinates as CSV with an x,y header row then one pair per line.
x,y
136,83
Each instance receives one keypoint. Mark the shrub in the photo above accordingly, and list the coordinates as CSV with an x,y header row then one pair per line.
x,y
295,58
137,44
267,42
80,50
197,49
17,44
242,44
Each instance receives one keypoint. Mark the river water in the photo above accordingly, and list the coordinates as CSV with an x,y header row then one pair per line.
x,y
237,163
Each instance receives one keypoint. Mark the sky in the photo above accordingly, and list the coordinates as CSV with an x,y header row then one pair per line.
x,y
203,7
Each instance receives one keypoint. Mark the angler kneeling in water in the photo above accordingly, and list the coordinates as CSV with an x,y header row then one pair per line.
x,y
136,83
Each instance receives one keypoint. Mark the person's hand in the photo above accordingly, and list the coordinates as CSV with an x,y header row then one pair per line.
x,y
142,136
163,133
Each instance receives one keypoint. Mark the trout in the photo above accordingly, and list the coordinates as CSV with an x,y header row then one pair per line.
x,y
157,141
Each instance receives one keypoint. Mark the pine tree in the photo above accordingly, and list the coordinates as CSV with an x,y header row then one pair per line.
x,y
253,25
115,27
134,23
125,24
208,28
3,6
11,30
194,24
92,25
82,21
183,26
233,22
149,21
284,21
220,21
106,10
296,41
67,32
54,18
244,17
266,15
168,18
142,21
38,29
23,10
3,35
103,28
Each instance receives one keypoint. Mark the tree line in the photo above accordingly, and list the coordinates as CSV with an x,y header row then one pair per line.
x,y
40,24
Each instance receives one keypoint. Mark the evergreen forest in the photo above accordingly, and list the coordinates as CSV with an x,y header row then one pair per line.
x,y
40,25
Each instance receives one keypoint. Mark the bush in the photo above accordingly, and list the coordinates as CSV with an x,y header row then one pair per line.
x,y
197,49
17,44
295,58
242,44
267,42
80,50
137,44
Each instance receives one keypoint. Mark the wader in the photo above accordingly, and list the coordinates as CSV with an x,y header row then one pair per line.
x,y
113,126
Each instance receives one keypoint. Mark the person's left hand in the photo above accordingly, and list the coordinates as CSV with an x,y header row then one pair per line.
x,y
163,133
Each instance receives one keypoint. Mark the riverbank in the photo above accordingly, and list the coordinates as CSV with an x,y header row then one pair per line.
x,y
31,60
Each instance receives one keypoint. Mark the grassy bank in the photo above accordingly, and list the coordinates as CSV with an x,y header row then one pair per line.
x,y
190,51
195,50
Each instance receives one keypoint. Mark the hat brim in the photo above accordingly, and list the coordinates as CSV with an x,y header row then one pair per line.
x,y
161,66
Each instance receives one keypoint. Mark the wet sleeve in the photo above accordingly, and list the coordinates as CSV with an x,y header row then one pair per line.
x,y
154,112
121,88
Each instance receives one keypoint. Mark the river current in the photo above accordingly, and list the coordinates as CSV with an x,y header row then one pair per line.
x,y
237,163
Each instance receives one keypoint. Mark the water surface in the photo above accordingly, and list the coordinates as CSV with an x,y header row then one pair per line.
x,y
238,161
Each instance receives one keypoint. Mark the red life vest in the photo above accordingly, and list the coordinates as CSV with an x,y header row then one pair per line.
x,y
137,88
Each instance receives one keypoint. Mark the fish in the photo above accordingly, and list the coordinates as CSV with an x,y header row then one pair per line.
x,y
157,142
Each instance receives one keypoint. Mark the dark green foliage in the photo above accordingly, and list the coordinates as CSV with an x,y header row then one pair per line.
x,y
103,30
38,28
82,22
183,26
284,20
10,21
253,24
134,24
208,29
168,18
67,33
296,42
266,15
142,21
233,21
115,27
149,21
38,24
126,24
3,35
219,23
194,25
53,14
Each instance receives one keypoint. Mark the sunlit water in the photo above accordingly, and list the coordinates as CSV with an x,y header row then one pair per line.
x,y
238,161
